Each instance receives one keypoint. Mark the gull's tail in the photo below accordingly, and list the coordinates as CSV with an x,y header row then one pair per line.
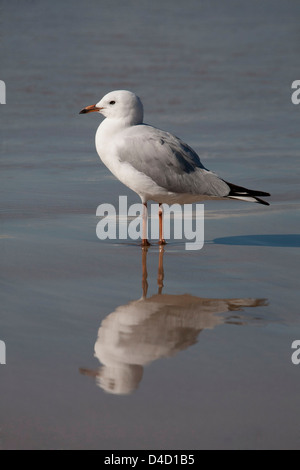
x,y
244,194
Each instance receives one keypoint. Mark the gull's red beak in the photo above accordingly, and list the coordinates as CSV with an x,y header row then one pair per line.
x,y
90,109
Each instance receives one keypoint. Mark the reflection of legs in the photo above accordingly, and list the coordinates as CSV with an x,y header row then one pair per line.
x,y
145,220
160,273
162,241
145,273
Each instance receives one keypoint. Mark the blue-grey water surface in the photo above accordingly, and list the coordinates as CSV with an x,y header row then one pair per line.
x,y
204,361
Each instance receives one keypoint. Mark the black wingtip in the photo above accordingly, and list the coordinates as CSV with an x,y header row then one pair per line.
x,y
261,201
241,191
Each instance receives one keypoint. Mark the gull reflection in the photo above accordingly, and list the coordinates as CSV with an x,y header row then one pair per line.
x,y
148,329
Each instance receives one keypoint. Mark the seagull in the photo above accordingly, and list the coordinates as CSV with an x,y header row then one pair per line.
x,y
154,163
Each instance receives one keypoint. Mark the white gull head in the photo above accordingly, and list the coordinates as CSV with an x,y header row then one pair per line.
x,y
120,104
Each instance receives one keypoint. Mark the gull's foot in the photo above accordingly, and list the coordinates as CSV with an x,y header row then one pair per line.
x,y
145,242
162,242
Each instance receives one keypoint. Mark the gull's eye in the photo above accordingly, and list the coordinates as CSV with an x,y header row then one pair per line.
x,y
112,102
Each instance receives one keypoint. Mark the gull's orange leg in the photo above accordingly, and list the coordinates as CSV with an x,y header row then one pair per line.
x,y
145,218
162,241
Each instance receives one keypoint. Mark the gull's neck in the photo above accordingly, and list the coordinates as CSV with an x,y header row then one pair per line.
x,y
111,126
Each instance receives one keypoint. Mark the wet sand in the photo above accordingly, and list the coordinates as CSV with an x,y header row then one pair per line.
x,y
109,347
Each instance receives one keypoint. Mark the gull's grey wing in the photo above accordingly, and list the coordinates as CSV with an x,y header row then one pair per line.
x,y
169,162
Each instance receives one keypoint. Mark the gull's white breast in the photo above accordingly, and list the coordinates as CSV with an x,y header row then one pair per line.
x,y
108,136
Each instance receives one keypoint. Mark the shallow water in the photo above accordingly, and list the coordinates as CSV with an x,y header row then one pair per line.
x,y
197,354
